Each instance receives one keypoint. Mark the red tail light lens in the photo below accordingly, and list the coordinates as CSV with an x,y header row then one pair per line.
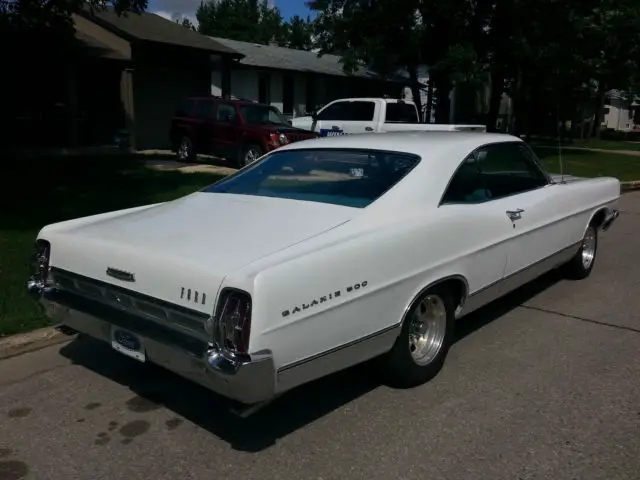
x,y
233,322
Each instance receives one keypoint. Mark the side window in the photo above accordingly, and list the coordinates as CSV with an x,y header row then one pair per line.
x,y
361,111
225,112
204,109
466,185
335,111
507,170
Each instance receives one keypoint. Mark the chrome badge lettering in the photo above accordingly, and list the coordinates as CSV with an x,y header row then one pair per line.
x,y
121,275
325,298
192,295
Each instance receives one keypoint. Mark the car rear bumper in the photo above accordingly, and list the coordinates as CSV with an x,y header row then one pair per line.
x,y
248,380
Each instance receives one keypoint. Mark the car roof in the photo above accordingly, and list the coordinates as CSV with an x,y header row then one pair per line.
x,y
425,144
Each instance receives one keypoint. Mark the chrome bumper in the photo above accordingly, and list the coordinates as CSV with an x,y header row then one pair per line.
x,y
247,380
610,218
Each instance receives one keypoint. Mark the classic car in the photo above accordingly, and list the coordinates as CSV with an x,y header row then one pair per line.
x,y
321,255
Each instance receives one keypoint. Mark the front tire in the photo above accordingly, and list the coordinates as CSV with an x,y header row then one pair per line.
x,y
248,155
580,266
424,341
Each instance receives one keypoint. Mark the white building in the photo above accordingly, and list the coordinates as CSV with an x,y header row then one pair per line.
x,y
297,81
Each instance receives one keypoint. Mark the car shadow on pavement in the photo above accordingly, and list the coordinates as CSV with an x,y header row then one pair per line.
x,y
158,387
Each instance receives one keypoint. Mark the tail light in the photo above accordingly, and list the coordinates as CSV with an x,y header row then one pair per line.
x,y
39,266
233,322
278,139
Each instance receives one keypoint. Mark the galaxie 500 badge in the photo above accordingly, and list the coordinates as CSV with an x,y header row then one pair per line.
x,y
325,298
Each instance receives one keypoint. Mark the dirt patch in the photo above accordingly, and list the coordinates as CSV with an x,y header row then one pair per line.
x,y
172,165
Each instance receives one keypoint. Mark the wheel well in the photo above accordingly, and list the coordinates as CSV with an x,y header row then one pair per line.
x,y
598,218
458,288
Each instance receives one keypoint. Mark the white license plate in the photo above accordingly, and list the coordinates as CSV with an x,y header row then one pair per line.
x,y
127,343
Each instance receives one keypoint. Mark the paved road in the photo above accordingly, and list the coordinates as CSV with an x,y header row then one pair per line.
x,y
545,384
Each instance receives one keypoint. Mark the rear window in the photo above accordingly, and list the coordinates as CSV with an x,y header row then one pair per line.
x,y
347,177
401,113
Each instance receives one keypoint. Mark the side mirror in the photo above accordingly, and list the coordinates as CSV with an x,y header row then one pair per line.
x,y
314,115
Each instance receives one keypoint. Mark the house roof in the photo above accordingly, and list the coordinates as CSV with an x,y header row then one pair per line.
x,y
153,28
270,56
93,47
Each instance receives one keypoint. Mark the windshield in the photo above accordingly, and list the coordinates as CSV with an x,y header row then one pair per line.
x,y
348,177
262,115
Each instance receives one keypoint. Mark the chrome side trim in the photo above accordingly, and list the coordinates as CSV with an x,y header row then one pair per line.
x,y
335,359
493,291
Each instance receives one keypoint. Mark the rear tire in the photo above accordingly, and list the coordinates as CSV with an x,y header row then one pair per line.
x,y
580,266
185,151
424,341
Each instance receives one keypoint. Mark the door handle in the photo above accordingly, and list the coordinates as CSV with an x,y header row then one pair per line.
x,y
368,129
335,127
515,214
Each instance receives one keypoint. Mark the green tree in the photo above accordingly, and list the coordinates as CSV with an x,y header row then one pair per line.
x,y
245,20
299,33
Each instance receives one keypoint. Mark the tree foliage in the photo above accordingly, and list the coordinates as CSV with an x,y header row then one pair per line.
x,y
550,56
253,21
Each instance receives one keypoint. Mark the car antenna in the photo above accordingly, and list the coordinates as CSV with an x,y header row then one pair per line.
x,y
559,142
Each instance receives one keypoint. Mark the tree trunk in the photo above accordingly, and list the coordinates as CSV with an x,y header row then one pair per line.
x,y
415,88
497,89
599,110
443,86
429,108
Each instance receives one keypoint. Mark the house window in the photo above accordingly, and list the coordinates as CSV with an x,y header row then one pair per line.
x,y
263,89
287,95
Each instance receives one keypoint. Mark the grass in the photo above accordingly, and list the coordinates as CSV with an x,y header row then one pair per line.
x,y
584,163
590,143
35,193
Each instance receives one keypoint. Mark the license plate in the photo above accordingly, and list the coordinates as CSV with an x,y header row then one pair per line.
x,y
128,344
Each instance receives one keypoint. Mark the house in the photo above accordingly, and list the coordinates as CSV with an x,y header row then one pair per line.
x,y
121,73
297,81
621,111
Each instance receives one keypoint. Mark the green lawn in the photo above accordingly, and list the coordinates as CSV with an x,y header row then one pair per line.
x,y
590,143
591,164
38,192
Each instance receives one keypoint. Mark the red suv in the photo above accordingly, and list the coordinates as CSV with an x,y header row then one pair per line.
x,y
237,130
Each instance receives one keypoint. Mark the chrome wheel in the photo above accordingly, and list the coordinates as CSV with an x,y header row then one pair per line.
x,y
251,156
185,149
427,329
588,248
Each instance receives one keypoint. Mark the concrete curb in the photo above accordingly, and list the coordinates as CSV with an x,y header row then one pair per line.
x,y
20,343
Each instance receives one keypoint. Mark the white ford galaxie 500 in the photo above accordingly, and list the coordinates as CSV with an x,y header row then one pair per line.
x,y
321,255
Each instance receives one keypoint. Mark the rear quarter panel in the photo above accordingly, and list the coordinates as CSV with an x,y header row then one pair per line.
x,y
377,273
580,199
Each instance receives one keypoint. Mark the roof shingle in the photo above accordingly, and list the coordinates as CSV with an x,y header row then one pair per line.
x,y
153,28
269,56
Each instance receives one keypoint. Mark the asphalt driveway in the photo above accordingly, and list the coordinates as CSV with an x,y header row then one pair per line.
x,y
543,384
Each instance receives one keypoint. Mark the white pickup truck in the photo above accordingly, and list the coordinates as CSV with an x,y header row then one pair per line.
x,y
367,115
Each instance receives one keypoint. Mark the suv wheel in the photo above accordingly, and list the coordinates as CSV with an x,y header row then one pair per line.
x,y
248,155
185,151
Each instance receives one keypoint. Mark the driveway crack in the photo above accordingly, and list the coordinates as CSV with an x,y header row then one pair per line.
x,y
582,319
